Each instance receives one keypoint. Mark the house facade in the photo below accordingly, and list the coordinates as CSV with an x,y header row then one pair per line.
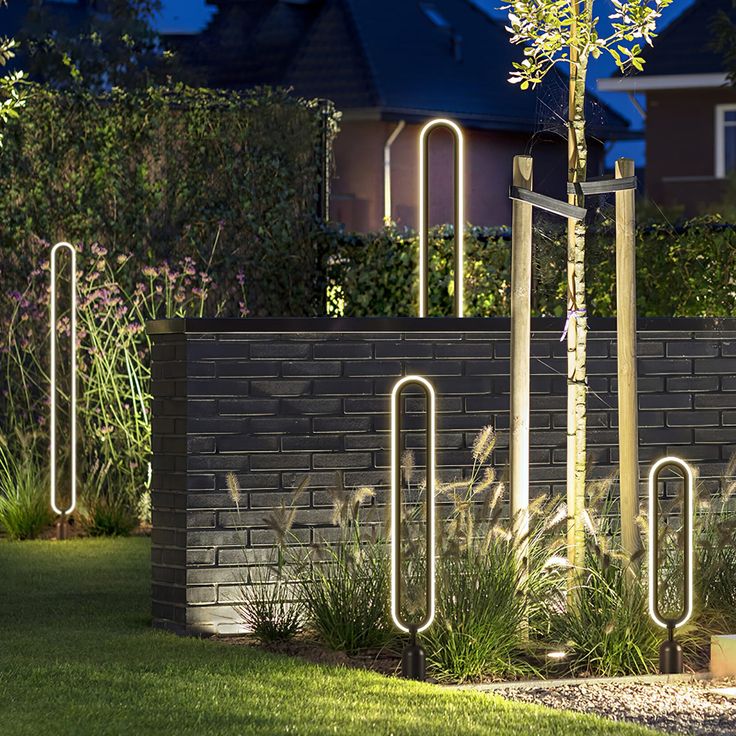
x,y
690,112
390,67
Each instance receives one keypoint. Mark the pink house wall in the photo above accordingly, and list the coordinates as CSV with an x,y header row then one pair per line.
x,y
357,188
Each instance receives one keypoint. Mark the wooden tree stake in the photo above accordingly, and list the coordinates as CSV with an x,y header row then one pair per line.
x,y
521,280
628,422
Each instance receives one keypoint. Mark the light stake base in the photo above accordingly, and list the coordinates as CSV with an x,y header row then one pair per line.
x,y
670,658
62,528
413,662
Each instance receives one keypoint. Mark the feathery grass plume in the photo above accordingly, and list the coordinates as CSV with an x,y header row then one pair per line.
x,y
729,478
484,443
407,466
233,488
280,521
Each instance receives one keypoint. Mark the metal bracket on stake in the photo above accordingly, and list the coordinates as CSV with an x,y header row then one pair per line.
x,y
61,527
459,157
602,185
413,658
670,653
549,204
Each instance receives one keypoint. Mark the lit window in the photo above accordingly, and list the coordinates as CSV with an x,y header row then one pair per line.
x,y
725,140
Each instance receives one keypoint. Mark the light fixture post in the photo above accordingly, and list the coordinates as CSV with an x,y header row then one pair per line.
x,y
63,513
670,653
413,659
459,201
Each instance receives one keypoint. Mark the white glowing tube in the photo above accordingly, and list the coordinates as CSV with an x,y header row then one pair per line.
x,y
459,214
73,376
396,500
688,491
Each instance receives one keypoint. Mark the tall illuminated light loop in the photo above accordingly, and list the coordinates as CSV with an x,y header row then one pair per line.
x,y
687,504
459,158
73,377
396,586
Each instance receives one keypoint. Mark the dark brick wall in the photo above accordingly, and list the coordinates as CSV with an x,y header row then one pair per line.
x,y
274,406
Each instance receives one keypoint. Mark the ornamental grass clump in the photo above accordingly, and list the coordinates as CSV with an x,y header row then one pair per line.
x,y
268,609
605,628
24,499
344,582
494,590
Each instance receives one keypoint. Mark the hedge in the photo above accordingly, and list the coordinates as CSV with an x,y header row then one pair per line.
x,y
231,179
685,270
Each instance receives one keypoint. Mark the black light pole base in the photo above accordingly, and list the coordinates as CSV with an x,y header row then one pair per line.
x,y
413,662
670,658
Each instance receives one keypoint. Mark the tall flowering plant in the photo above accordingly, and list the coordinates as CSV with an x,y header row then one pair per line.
x,y
116,296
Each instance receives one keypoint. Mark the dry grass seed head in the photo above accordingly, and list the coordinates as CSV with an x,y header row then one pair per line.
x,y
484,443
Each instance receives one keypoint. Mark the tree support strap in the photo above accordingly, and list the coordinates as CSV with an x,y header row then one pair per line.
x,y
602,185
549,204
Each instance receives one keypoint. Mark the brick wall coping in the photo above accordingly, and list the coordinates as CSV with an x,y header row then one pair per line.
x,y
283,325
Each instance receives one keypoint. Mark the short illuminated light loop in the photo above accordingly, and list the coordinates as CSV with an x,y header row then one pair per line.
x,y
688,479
459,213
73,377
396,502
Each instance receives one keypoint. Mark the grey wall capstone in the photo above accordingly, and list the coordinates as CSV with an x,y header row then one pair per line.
x,y
274,401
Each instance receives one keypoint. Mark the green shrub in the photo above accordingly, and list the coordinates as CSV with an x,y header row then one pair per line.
x,y
24,489
107,517
231,180
685,270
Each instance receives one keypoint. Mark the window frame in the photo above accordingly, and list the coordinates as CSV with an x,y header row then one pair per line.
x,y
720,146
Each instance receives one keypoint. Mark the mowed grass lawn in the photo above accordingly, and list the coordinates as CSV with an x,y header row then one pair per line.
x,y
78,656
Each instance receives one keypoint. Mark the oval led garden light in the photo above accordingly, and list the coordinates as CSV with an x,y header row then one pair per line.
x,y
64,513
459,157
670,653
413,658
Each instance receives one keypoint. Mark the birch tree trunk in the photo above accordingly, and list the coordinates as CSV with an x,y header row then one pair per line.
x,y
576,314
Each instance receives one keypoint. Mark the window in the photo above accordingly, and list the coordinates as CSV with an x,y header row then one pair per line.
x,y
725,140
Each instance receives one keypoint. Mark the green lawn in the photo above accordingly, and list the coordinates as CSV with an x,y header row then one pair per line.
x,y
77,656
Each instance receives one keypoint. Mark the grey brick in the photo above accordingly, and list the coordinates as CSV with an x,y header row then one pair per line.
x,y
281,350
200,519
248,407
319,368
279,425
279,461
709,366
285,387
372,368
248,369
663,366
692,418
342,460
693,384
343,350
312,443
403,350
201,594
201,556
314,406
247,443
341,424
692,348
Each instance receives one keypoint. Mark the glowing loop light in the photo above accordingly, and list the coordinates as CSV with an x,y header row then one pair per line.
x,y
459,157
73,377
429,393
670,623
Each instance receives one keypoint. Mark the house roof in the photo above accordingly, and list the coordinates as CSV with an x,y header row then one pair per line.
x,y
682,56
404,59
686,45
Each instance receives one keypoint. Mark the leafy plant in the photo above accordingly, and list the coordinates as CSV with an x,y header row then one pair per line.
x,y
107,517
268,610
24,488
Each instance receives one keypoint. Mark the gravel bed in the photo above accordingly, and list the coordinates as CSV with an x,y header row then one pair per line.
x,y
695,708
